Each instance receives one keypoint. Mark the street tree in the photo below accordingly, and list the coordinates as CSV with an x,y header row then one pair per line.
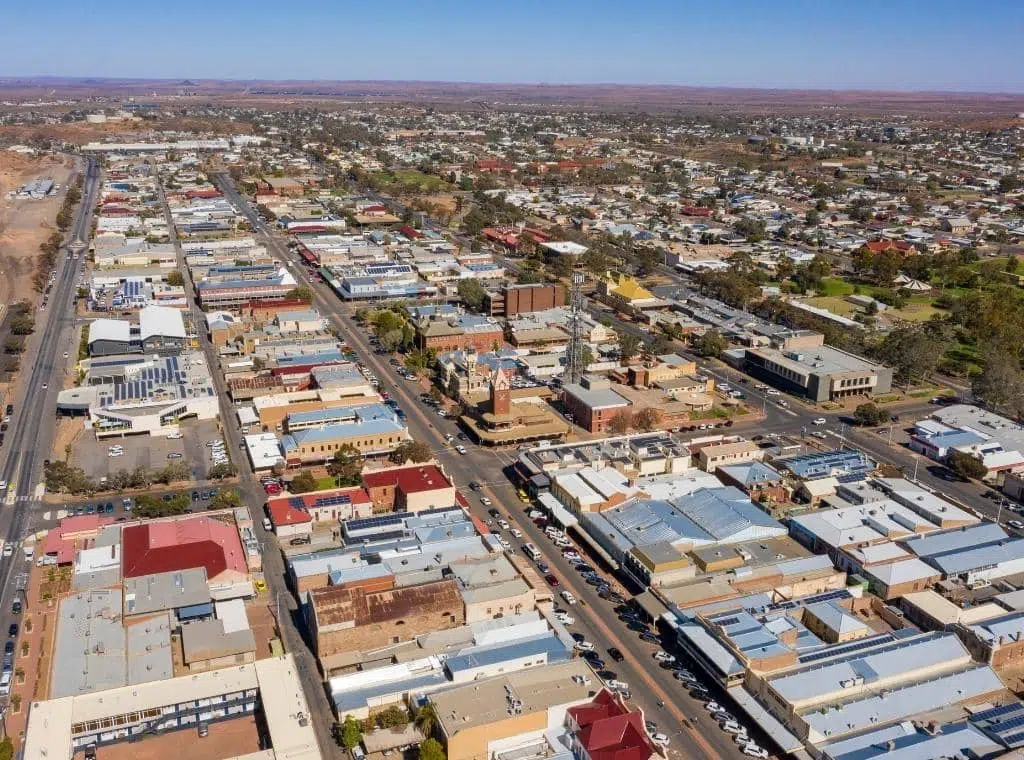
x,y
869,415
629,346
966,466
711,344
431,749
647,419
304,482
621,423
411,451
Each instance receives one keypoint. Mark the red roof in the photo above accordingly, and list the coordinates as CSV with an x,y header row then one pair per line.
x,y
62,541
208,193
410,232
166,546
608,731
291,510
414,479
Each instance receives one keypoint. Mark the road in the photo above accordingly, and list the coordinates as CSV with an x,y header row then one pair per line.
x,y
28,442
699,735
281,601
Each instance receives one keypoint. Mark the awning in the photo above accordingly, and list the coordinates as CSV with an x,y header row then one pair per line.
x,y
651,604
598,549
768,722
559,514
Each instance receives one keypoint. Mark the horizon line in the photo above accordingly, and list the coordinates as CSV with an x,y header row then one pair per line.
x,y
6,78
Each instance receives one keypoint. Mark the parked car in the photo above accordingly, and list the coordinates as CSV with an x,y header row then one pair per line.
x,y
615,654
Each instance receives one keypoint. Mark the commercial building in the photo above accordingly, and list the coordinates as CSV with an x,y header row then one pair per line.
x,y
59,728
141,394
513,300
409,488
606,729
343,619
160,330
372,429
479,719
593,404
821,373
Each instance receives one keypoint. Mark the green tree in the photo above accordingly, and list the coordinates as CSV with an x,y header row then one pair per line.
x,y
1001,383
966,466
1008,183
869,415
301,293
6,748
304,482
629,346
226,498
426,719
414,451
431,749
347,465
472,294
911,351
393,717
351,732
175,278
711,344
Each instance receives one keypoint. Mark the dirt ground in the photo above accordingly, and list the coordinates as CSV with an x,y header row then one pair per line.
x,y
69,430
25,223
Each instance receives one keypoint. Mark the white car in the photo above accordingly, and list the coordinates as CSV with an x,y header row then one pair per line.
x,y
585,646
9,550
663,656
517,533
485,501
461,449
772,392
568,596
713,707
175,436
732,727
820,421
612,683
752,750
115,453
565,619
660,739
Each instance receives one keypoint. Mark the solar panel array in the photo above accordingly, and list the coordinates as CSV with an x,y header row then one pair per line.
x,y
364,523
793,604
328,501
997,712
855,646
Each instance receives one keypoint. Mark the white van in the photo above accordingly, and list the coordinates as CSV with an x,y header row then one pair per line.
x,y
5,684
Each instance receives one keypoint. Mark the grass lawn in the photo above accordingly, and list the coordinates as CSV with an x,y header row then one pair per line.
x,y
835,304
413,180
834,286
324,483
914,312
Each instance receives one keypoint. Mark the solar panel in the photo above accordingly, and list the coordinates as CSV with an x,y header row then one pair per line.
x,y
1013,740
836,651
995,712
1005,725
296,502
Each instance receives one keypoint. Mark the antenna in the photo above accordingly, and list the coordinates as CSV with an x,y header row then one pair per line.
x,y
574,354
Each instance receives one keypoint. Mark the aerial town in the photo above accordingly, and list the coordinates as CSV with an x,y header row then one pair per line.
x,y
347,427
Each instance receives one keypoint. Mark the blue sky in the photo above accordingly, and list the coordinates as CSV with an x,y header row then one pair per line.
x,y
899,45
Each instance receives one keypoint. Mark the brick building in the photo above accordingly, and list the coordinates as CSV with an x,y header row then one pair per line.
x,y
524,299
593,403
343,619
409,488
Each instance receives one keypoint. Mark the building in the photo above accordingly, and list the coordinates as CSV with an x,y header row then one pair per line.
x,y
821,373
409,488
132,394
177,544
64,726
344,619
299,515
160,330
459,332
502,421
711,456
606,729
593,404
371,429
513,300
478,719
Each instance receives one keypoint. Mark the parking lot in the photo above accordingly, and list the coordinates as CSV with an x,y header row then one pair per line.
x,y
154,453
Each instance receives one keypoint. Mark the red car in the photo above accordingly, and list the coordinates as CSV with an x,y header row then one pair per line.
x,y
551,579
272,488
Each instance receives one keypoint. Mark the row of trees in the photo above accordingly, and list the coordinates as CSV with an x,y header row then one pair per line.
x,y
63,477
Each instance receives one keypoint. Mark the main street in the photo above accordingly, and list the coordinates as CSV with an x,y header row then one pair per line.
x,y
282,602
31,431
692,731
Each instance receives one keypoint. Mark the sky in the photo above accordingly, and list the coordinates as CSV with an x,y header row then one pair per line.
x,y
841,44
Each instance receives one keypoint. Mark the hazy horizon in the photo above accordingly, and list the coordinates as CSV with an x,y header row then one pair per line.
x,y
898,46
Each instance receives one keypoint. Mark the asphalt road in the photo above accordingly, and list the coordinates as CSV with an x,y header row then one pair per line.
x,y
693,733
281,599
28,442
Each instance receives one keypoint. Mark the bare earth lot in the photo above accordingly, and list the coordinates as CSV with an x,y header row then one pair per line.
x,y
25,223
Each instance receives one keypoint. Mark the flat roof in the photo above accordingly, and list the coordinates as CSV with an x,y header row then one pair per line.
x,y
816,359
490,700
